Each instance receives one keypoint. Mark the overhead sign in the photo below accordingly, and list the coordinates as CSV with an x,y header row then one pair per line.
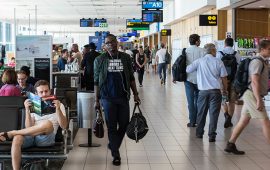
x,y
97,22
166,32
137,24
208,20
154,4
86,22
152,16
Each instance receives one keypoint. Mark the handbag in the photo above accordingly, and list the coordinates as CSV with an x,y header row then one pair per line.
x,y
137,127
98,122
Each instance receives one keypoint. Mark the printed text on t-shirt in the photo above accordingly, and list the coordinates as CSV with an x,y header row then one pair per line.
x,y
115,65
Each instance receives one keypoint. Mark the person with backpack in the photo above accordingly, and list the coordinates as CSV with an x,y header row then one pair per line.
x,y
230,59
209,72
253,96
193,53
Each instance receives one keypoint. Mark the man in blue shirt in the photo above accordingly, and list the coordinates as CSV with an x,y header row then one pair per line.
x,y
209,72
113,78
62,61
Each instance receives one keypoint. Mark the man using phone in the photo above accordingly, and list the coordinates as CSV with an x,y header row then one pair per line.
x,y
39,130
113,78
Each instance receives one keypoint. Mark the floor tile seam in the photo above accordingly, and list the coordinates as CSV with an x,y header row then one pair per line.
x,y
246,157
85,158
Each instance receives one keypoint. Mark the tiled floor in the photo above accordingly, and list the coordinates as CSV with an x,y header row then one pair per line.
x,y
169,143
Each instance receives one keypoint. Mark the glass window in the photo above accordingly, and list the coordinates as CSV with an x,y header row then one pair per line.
x,y
8,32
1,32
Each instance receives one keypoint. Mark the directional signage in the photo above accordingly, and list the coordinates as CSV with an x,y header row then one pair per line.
x,y
208,20
152,5
137,24
166,32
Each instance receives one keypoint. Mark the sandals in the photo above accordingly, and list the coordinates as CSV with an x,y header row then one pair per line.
x,y
5,135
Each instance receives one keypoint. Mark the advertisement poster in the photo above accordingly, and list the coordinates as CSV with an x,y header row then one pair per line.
x,y
42,68
35,51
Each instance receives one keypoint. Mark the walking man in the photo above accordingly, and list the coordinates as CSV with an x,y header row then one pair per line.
x,y
162,66
253,98
113,77
230,59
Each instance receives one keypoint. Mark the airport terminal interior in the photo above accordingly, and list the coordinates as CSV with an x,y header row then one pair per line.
x,y
134,85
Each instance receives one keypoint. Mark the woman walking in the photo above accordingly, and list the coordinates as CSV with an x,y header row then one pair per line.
x,y
141,61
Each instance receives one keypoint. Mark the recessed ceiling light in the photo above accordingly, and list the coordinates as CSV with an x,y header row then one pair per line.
x,y
262,6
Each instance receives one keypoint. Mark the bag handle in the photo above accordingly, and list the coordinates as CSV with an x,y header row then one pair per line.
x,y
135,106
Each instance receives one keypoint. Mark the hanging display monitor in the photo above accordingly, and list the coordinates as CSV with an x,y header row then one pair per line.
x,y
152,4
152,16
137,24
86,22
98,22
208,20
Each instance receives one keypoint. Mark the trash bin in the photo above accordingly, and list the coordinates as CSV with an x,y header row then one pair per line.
x,y
85,108
86,113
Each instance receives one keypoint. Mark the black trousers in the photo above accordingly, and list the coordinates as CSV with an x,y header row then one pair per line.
x,y
117,119
89,82
140,75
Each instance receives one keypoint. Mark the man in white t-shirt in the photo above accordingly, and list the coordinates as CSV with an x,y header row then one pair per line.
x,y
39,130
162,66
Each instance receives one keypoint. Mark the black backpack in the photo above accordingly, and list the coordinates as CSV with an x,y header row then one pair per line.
x,y
168,57
241,81
230,64
179,67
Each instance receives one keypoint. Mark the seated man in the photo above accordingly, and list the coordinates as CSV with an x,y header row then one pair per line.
x,y
39,131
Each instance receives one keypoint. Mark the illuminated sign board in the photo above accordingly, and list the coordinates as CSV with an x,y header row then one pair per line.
x,y
152,4
98,22
208,20
137,24
166,32
152,16
86,22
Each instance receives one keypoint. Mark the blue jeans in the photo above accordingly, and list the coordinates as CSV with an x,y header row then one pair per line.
x,y
192,98
208,100
116,115
162,68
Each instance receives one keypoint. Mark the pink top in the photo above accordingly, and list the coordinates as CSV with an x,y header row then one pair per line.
x,y
10,90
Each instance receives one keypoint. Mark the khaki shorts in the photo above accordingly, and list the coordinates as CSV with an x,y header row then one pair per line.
x,y
250,105
232,96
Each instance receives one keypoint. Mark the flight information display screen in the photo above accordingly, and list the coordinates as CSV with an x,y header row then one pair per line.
x,y
152,16
86,22
98,21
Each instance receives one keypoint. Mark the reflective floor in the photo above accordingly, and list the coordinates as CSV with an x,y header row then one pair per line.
x,y
169,143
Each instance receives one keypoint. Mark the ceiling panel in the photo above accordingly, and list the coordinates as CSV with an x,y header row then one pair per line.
x,y
68,12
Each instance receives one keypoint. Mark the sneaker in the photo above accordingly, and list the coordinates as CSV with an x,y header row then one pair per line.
x,y
141,85
191,125
116,161
228,120
231,148
161,81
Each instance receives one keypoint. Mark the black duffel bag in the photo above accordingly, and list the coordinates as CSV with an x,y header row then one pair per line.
x,y
137,127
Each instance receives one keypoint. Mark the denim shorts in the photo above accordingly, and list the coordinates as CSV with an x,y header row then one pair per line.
x,y
39,140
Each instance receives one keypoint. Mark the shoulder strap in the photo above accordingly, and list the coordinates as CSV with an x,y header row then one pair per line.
x,y
259,58
221,52
184,51
234,52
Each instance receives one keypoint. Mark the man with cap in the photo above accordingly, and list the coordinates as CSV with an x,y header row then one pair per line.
x,y
88,65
